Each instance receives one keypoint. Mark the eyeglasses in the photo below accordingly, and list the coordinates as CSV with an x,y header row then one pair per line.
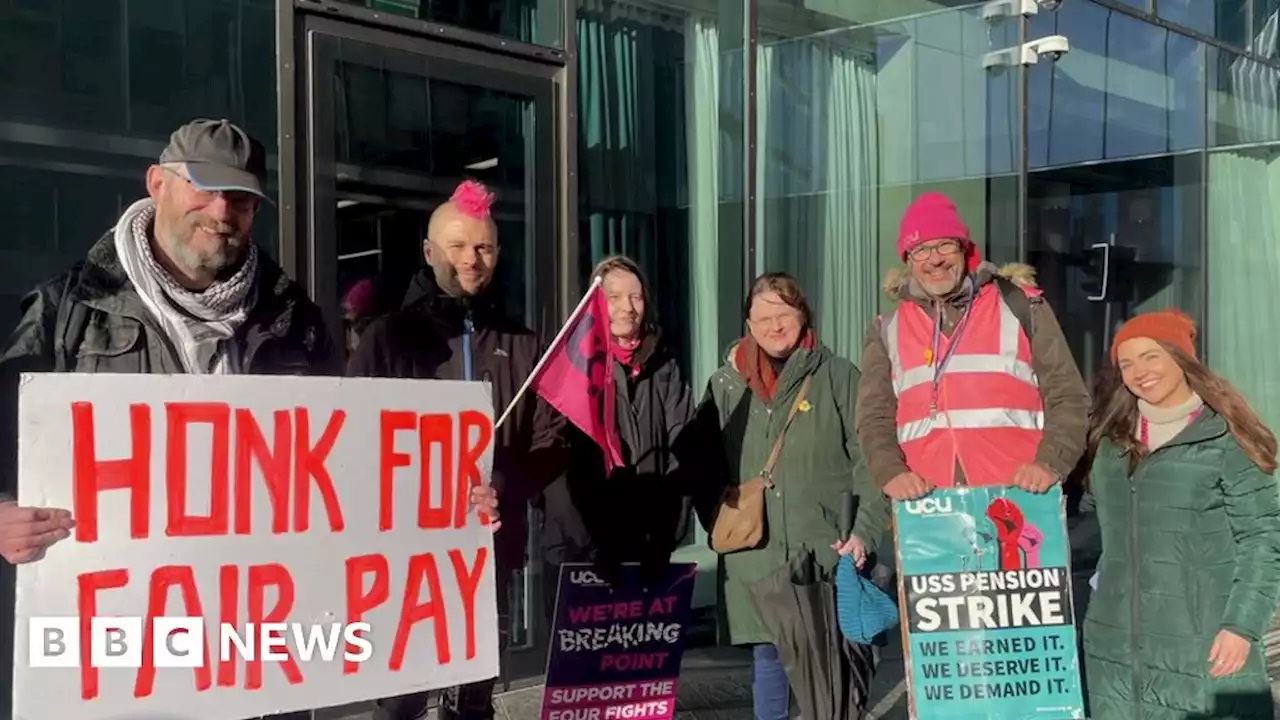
x,y
944,249
236,199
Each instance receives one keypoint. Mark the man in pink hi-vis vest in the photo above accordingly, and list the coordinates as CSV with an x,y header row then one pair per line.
x,y
969,379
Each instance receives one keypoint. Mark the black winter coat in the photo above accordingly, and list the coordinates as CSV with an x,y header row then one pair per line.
x,y
640,512
430,338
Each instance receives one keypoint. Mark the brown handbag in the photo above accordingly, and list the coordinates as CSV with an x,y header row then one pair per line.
x,y
740,518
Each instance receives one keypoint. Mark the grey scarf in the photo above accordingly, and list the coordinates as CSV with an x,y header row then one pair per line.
x,y
202,326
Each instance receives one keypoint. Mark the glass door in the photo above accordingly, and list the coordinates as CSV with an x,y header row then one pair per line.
x,y
1113,240
391,124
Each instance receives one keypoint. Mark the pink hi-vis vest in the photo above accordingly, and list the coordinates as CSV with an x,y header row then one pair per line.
x,y
984,411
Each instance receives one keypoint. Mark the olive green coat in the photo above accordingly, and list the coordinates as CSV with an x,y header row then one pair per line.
x,y
1190,546
819,460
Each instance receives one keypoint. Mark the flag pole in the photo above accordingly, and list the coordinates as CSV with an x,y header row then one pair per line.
x,y
582,304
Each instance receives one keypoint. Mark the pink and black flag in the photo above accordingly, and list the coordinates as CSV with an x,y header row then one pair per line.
x,y
576,374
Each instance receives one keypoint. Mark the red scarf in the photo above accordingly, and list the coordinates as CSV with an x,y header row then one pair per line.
x,y
754,366
624,353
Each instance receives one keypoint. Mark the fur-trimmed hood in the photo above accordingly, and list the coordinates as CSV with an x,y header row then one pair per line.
x,y
898,284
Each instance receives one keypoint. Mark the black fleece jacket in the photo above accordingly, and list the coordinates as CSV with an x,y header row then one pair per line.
x,y
428,338
640,512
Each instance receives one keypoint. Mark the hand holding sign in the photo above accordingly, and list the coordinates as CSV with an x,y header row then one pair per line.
x,y
907,486
485,499
1033,477
25,532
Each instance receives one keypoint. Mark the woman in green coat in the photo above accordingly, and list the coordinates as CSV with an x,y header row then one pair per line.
x,y
1190,515
747,403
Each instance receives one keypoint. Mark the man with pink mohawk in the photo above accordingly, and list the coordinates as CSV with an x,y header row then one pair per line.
x,y
452,326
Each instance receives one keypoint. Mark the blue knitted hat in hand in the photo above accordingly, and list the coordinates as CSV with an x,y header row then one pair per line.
x,y
863,610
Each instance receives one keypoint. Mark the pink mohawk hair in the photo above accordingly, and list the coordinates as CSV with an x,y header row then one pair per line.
x,y
472,199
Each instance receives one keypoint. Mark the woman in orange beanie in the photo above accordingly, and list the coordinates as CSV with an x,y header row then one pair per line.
x,y
1182,481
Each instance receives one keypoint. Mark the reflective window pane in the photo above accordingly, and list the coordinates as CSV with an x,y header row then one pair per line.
x,y
1243,103
1126,88
1066,100
1226,20
401,141
854,120
89,93
1152,77
531,21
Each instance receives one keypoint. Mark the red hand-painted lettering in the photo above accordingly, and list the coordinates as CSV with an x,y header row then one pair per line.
x,y
275,465
309,464
179,417
360,601
163,578
91,476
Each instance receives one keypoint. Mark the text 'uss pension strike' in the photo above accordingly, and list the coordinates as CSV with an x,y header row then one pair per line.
x,y
964,601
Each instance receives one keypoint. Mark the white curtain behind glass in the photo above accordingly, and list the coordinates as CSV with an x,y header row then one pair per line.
x,y
1244,264
702,122
817,179
1244,235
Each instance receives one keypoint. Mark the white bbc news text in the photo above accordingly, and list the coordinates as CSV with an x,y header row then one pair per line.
x,y
180,641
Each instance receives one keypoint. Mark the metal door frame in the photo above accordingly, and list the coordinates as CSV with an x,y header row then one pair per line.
x,y
560,266
308,249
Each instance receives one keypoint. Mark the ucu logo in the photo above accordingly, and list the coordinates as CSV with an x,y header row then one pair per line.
x,y
928,506
584,577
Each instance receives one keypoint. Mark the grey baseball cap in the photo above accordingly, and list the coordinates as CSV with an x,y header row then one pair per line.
x,y
219,156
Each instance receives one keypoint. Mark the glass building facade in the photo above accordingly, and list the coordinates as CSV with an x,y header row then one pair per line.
x,y
708,139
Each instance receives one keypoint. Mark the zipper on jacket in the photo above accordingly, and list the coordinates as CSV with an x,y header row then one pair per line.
x,y
1135,634
467,328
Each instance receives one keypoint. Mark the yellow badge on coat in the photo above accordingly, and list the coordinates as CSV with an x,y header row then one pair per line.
x,y
928,357
804,406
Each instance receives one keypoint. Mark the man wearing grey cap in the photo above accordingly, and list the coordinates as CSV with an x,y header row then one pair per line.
x,y
176,287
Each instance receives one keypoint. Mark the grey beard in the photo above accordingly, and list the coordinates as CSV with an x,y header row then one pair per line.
x,y
223,265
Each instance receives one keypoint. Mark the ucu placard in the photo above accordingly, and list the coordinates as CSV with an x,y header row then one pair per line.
x,y
928,506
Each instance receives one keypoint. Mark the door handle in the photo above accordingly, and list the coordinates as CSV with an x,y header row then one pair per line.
x,y
1106,267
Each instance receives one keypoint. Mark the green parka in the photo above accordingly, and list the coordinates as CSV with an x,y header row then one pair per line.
x,y
1190,546
819,460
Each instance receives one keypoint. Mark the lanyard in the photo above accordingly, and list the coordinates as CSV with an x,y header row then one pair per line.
x,y
951,349
1144,427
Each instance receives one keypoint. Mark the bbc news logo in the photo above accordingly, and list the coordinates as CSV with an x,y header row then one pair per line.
x,y
180,642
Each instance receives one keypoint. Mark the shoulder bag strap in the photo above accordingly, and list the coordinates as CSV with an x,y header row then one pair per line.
x,y
777,444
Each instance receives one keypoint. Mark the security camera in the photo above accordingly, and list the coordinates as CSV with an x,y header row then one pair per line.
x,y
1026,8
1052,47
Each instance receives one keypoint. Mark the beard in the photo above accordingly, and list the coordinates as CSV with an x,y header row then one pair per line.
x,y
952,281
448,280
221,258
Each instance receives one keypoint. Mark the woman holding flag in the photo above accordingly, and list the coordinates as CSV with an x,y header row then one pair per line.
x,y
781,409
636,511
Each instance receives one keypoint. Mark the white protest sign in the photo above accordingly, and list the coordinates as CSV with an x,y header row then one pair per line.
x,y
240,500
